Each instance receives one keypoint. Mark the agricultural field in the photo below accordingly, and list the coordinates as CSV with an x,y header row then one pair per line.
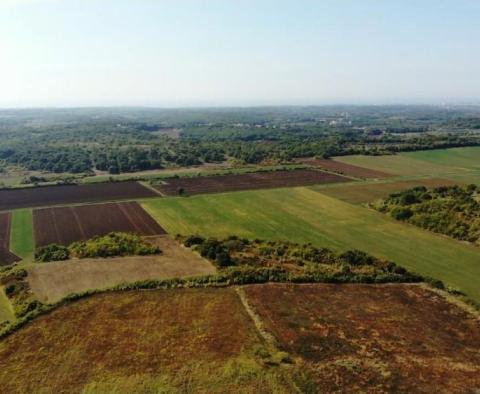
x,y
6,312
258,338
71,194
21,235
6,256
305,215
345,169
367,338
65,225
53,281
258,180
361,193
191,340
440,163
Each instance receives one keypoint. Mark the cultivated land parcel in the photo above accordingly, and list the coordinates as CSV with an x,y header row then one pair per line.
x,y
306,215
265,338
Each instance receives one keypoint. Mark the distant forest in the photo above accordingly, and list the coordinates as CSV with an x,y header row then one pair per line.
x,y
135,139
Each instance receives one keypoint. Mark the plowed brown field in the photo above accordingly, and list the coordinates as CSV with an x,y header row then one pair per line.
x,y
6,257
65,225
346,169
71,194
257,180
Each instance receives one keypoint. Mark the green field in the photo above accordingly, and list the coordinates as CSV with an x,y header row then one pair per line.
x,y
6,312
455,158
21,236
305,215
452,163
365,192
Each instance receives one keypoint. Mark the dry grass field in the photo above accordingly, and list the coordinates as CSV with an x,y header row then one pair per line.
x,y
285,338
167,341
373,338
51,282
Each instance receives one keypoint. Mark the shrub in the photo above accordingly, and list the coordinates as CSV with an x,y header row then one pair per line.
x,y
113,244
52,252
400,213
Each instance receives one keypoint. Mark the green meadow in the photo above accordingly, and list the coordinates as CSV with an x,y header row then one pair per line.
x,y
454,163
305,215
21,234
6,311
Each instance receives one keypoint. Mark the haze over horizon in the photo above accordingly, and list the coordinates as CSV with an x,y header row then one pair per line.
x,y
227,53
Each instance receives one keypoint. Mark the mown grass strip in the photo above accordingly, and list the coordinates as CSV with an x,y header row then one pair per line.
x,y
21,234
6,311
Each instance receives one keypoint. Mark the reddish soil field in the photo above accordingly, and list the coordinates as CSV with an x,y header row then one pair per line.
x,y
257,180
346,169
170,341
6,257
373,338
65,225
70,194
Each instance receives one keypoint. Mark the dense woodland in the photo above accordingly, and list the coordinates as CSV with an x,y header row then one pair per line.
x,y
453,211
81,141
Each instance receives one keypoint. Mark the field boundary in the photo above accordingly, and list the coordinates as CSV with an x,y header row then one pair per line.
x,y
257,321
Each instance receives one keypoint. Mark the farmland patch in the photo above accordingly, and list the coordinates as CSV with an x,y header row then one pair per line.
x,y
183,340
360,193
65,225
345,169
6,257
375,338
53,281
258,180
303,215
71,194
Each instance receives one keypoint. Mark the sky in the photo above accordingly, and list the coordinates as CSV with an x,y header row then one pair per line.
x,y
180,53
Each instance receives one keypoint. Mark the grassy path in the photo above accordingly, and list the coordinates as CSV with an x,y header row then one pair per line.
x,y
304,215
6,311
21,235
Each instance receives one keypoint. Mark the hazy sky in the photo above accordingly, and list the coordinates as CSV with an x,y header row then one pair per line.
x,y
238,52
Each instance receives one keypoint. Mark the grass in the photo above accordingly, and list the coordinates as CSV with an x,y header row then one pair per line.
x,y
456,158
6,311
168,341
305,215
360,193
454,163
21,235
